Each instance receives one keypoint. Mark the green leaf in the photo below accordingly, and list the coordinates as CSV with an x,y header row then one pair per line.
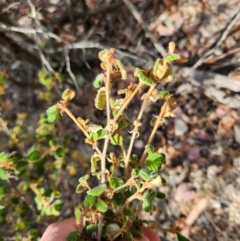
x,y
16,157
80,188
149,149
100,134
100,100
34,155
3,174
91,228
98,81
115,182
73,236
128,236
154,161
78,215
57,204
181,237
149,194
145,175
101,206
94,160
116,139
135,172
127,213
60,152
3,190
118,199
160,195
52,113
148,197
3,157
33,232
89,201
84,178
164,94
97,191
172,57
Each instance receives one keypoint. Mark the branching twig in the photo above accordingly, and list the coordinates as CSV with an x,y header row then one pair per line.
x,y
68,68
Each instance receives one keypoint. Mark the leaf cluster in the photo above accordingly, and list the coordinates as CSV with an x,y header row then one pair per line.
x,y
130,184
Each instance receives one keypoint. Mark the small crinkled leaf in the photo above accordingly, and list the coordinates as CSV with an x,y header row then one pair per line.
x,y
149,194
128,236
122,70
91,228
102,53
60,152
135,172
160,195
58,204
171,57
181,237
68,95
127,212
100,134
20,166
73,236
143,78
89,201
164,94
80,188
100,100
34,155
149,149
3,157
116,139
145,175
115,182
112,229
52,113
97,191
98,81
154,161
33,232
94,160
84,178
101,206
148,197
16,157
117,199
78,215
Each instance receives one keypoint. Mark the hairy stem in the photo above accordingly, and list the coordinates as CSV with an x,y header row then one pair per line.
x,y
160,117
69,113
106,141
140,85
136,126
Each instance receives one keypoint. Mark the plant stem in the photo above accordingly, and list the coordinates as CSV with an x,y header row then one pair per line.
x,y
136,126
100,228
160,117
106,141
69,113
140,85
66,110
